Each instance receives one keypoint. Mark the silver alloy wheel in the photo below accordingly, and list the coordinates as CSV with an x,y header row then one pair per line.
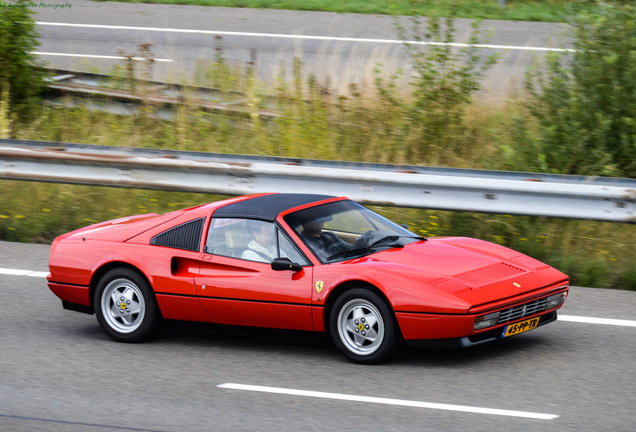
x,y
360,327
123,305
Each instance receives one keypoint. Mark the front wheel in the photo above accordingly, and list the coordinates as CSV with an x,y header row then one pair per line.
x,y
362,326
125,306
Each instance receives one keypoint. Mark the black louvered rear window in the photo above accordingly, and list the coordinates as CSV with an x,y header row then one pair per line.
x,y
186,236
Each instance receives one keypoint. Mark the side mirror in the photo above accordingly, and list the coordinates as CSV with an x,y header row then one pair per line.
x,y
280,264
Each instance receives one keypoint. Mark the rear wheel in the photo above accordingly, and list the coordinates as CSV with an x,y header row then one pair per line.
x,y
362,326
125,306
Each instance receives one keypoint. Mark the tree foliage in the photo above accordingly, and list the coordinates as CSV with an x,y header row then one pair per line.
x,y
585,101
20,75
446,75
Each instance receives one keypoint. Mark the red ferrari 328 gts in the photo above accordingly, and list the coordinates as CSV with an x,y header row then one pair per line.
x,y
303,262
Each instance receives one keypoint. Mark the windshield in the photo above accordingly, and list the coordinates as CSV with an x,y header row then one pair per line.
x,y
344,230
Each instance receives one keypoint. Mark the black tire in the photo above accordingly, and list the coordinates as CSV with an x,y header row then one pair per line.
x,y
125,306
362,327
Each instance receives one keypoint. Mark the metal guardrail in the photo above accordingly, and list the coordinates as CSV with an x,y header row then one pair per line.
x,y
116,96
515,193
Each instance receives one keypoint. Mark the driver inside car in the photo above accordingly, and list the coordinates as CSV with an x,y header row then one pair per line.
x,y
322,243
262,247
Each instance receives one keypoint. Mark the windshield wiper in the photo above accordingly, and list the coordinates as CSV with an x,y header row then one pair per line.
x,y
389,238
371,248
350,253
367,249
392,238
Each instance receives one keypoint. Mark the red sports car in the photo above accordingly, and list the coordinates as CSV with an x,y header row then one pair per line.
x,y
303,262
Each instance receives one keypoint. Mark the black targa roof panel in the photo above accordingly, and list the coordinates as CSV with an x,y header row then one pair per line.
x,y
267,207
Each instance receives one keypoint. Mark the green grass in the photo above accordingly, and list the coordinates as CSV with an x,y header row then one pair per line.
x,y
520,10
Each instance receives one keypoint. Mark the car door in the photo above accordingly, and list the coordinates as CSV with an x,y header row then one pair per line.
x,y
236,284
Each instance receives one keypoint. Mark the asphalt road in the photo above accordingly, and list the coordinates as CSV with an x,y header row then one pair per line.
x,y
272,39
59,372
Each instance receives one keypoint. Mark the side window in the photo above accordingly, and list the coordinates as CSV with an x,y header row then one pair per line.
x,y
287,250
227,237
250,239
262,245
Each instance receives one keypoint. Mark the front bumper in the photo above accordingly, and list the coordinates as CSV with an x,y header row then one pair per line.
x,y
476,339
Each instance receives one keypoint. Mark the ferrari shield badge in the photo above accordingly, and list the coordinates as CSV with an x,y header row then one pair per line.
x,y
319,286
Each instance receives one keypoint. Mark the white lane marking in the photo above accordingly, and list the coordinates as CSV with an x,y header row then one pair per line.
x,y
16,272
303,37
96,56
603,321
386,401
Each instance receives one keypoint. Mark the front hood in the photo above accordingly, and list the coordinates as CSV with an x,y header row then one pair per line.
x,y
471,267
465,266
448,275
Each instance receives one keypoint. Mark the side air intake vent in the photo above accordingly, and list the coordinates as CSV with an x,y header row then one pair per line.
x,y
186,236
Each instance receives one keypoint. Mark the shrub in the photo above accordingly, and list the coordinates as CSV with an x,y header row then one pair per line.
x,y
585,102
445,79
20,75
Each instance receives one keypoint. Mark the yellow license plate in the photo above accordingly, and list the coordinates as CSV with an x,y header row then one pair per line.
x,y
520,327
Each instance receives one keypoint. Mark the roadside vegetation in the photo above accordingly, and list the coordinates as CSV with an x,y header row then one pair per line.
x,y
440,122
517,10
20,78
